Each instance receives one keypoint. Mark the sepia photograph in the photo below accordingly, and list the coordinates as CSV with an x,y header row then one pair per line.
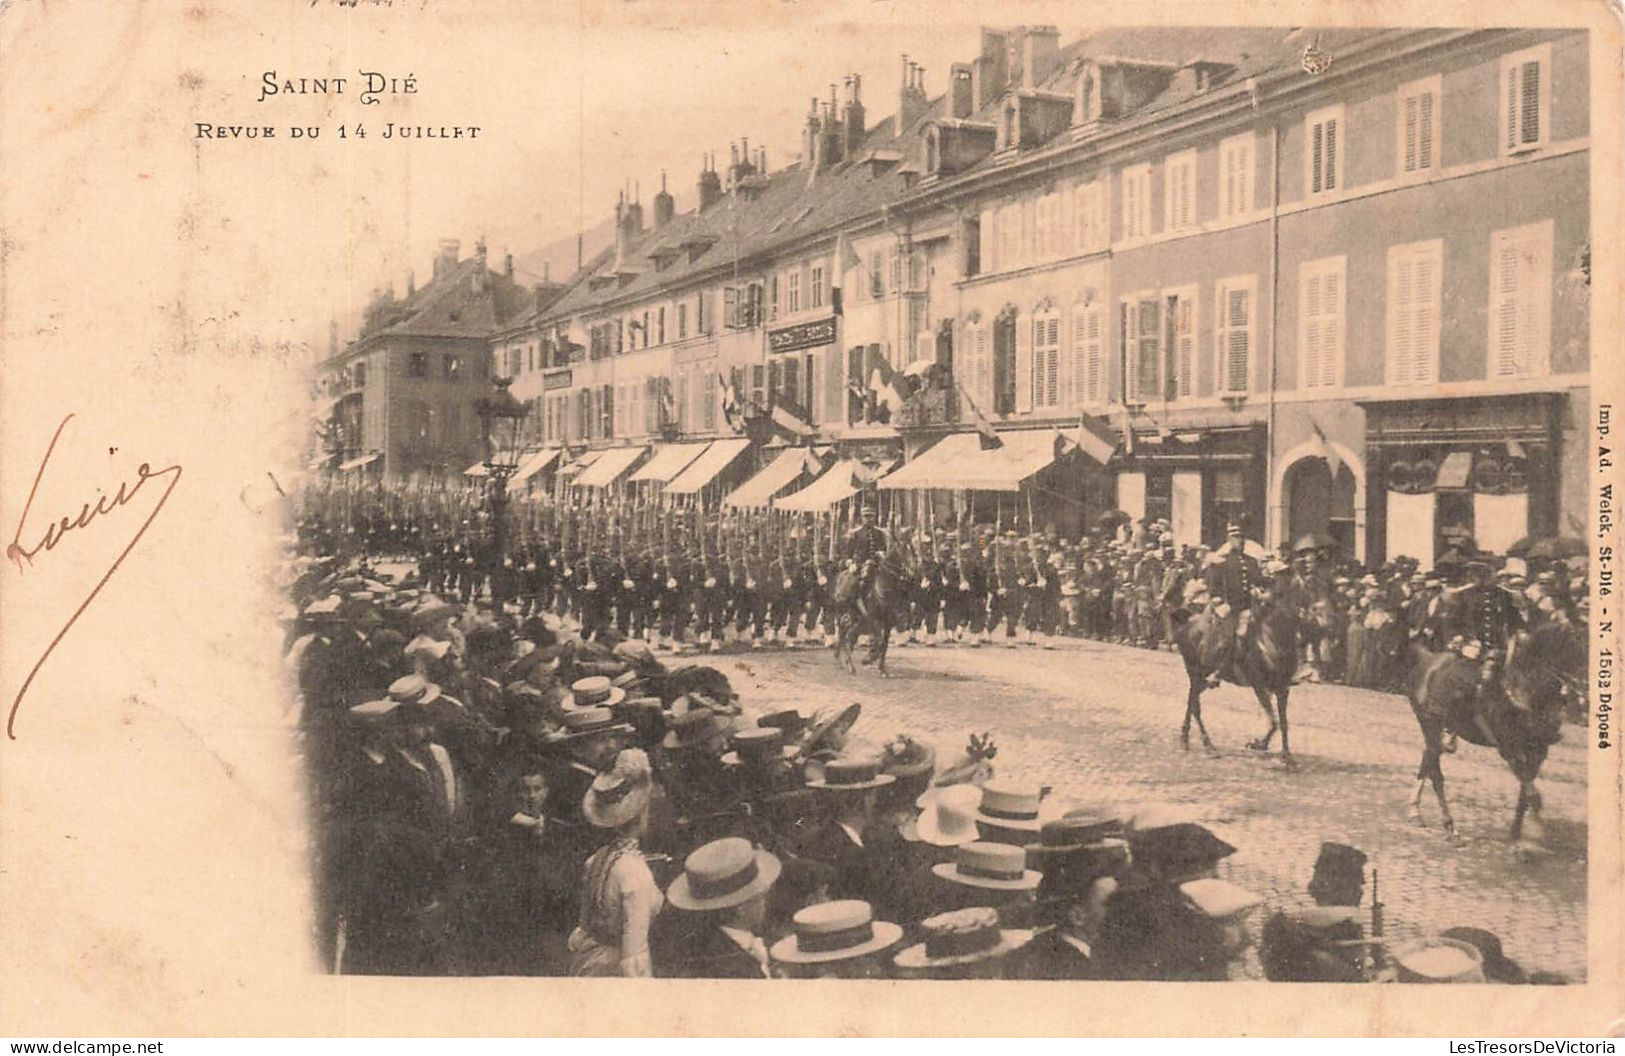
x,y
1004,492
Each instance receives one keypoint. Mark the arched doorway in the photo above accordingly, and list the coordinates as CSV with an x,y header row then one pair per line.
x,y
1318,504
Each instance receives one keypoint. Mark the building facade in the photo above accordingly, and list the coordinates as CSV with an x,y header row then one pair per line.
x,y
1318,282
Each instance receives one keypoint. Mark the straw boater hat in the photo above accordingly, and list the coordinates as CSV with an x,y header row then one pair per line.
x,y
621,793
830,731
758,745
835,931
594,692
413,689
689,725
430,611
1072,832
991,866
962,937
430,648
949,816
589,722
851,774
1006,805
723,874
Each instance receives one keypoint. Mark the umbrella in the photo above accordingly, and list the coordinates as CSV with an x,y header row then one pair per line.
x,y
1559,546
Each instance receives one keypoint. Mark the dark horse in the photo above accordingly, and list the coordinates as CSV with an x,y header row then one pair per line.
x,y
1264,661
883,599
1521,721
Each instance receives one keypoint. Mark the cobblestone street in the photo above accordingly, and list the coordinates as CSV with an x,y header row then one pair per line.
x,y
1100,723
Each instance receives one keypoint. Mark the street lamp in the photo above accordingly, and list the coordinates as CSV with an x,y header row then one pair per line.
x,y
501,420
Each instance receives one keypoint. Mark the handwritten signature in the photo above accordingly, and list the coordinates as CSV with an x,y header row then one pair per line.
x,y
23,556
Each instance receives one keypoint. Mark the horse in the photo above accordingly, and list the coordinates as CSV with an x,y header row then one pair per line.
x,y
1265,661
1521,720
884,599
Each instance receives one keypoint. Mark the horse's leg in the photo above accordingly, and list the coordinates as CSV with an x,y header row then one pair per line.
x,y
1262,744
1280,710
1193,703
883,645
1436,775
1431,736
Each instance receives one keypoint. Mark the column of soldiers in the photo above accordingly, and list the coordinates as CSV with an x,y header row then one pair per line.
x,y
692,580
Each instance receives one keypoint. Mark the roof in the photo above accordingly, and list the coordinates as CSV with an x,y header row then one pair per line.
x,y
838,483
718,456
454,305
959,462
535,464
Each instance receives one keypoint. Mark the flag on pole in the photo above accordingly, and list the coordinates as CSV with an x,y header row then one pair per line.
x,y
730,404
988,436
1095,438
1323,448
883,382
791,418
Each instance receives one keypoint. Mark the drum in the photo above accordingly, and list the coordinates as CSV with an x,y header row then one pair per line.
x,y
1440,961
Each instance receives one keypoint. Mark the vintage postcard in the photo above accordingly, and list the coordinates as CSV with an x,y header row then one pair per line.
x,y
735,518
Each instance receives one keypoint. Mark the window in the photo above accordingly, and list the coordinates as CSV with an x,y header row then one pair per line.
x,y
452,367
1004,363
1234,319
643,331
607,410
702,317
1413,312
1520,301
1136,202
1047,359
708,400
1324,148
417,366
877,276
1010,127
1236,176
730,307
1091,217
816,287
1418,127
1088,354
1526,99
1179,199
987,242
1087,105
895,260
795,292
682,321
1142,330
660,325
360,373
1181,316
1321,300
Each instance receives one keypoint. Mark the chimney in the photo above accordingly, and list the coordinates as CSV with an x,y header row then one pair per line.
x,y
991,70
854,116
710,184
446,259
911,100
1041,50
665,206
962,101
507,265
479,266
809,137
411,283
634,212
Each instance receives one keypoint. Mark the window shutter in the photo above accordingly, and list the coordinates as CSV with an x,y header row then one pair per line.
x,y
1427,280
988,240
1094,354
1331,154
1529,104
1024,365
1412,103
1147,350
1512,97
1312,351
1131,199
1405,324
1184,309
1424,131
1077,372
1331,326
1505,308
984,370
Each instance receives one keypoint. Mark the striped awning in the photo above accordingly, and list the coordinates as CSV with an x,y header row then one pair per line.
x,y
783,471
718,456
838,483
958,462
535,464
668,461
610,467
580,464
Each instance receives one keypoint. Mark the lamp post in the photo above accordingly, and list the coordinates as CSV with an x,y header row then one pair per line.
x,y
502,418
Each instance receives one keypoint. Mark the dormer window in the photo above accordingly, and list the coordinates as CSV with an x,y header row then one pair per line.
x,y
1009,126
933,150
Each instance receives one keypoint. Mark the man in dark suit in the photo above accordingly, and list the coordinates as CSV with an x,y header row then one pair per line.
x,y
1231,582
722,898
866,547
1484,616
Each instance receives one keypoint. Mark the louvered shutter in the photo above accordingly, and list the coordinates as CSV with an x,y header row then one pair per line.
x,y
1412,120
1424,131
1024,365
1504,309
1148,350
1331,154
1094,354
1512,97
1427,280
1313,353
1052,362
1184,344
984,369
1529,130
1404,296
1331,326
1077,372
1131,205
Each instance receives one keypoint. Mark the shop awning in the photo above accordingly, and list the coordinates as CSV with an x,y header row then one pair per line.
x,y
587,458
535,464
786,469
358,462
839,483
668,461
703,470
610,467
959,463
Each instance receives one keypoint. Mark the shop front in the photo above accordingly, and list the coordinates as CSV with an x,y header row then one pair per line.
x,y
1484,468
1198,480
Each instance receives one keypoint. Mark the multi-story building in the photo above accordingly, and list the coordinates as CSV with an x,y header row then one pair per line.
x,y
406,387
1329,282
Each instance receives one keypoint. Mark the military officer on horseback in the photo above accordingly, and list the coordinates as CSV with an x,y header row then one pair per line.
x,y
866,547
1483,617
1231,581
